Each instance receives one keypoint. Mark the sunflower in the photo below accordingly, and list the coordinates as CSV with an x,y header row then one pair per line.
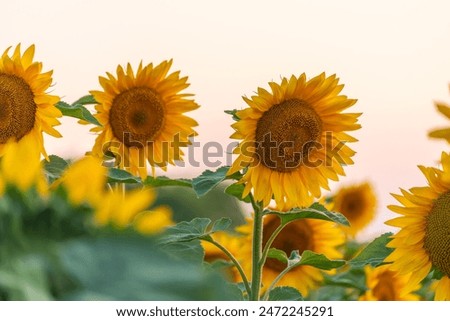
x,y
306,234
444,133
16,168
25,107
293,139
423,242
142,117
386,285
357,203
112,206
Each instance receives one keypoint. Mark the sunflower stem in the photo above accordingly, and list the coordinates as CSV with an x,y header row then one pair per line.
x,y
256,249
235,262
276,280
269,244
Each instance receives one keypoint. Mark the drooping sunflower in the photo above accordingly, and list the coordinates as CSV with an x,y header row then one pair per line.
x,y
25,107
443,133
423,242
357,203
293,139
306,234
384,284
142,117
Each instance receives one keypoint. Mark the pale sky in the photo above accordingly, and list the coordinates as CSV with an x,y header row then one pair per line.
x,y
393,56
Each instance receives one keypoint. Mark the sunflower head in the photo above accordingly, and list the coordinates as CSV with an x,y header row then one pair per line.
x,y
306,234
423,241
293,139
25,107
20,166
357,203
142,117
384,284
442,133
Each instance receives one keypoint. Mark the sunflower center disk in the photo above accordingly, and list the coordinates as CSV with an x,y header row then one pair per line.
x,y
295,236
17,108
352,206
285,135
136,116
437,234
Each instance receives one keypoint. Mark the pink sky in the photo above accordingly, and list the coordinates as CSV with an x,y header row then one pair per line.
x,y
393,57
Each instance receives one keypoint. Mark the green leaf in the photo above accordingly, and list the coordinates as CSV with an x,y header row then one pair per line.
x,y
315,211
319,261
85,100
186,251
277,254
125,267
285,293
208,180
221,224
77,111
55,167
236,190
116,175
165,181
233,112
374,253
198,228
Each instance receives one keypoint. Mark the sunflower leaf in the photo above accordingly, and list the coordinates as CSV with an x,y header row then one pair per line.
x,y
198,228
209,179
277,254
54,168
77,111
315,211
233,112
285,293
236,190
319,261
85,100
374,253
165,181
116,175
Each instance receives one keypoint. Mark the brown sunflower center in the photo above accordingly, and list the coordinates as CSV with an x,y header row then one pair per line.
x,y
286,133
295,236
385,289
437,234
352,205
17,108
136,116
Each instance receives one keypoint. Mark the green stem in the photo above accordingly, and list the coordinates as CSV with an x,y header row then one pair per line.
x,y
235,262
277,279
256,250
269,244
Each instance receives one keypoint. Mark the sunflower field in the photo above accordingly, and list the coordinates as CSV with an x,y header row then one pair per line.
x,y
270,226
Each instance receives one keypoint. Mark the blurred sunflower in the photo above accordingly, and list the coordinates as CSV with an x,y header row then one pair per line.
x,y
293,139
357,203
444,133
306,234
423,242
26,108
16,168
232,243
142,117
386,285
112,206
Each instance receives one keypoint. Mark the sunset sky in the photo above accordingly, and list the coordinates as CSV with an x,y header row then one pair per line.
x,y
393,56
